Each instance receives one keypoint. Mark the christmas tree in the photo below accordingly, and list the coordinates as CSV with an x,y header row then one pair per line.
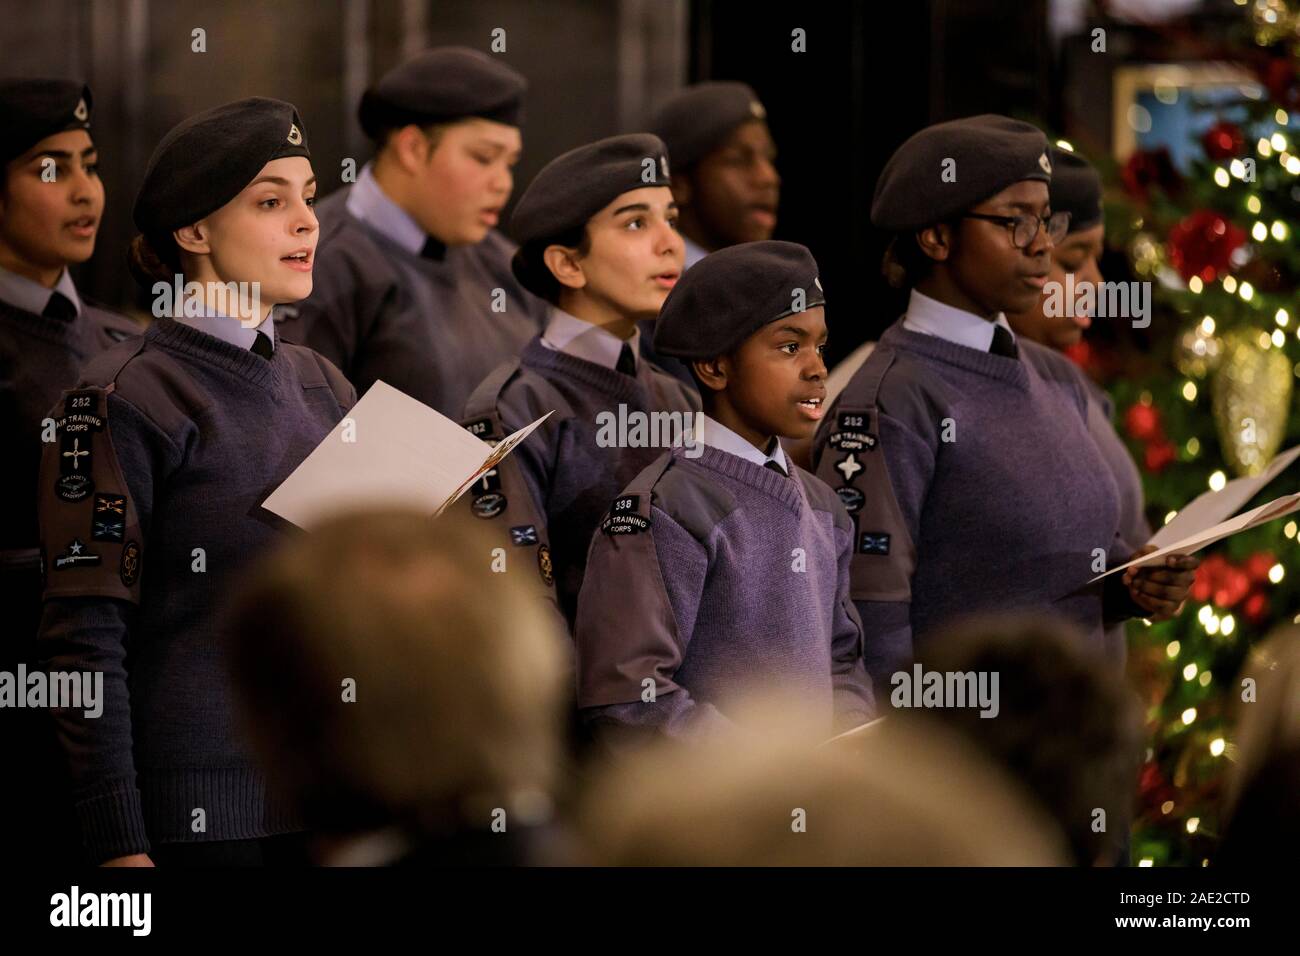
x,y
1208,398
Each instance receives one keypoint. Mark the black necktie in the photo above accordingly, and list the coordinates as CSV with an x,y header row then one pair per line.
x,y
776,468
626,361
59,307
262,345
1003,343
433,249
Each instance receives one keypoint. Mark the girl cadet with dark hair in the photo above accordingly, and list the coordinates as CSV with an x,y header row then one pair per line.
x,y
150,496
962,454
51,201
1076,189
600,243
414,285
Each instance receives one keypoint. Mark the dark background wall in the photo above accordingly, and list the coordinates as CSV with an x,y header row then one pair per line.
x,y
873,74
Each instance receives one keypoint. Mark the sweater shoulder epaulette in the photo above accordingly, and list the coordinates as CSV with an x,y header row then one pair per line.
x,y
150,380
689,497
526,395
113,325
821,497
316,369
909,391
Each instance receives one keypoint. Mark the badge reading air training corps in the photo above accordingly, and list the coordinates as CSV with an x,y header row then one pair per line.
x,y
851,435
623,517
76,429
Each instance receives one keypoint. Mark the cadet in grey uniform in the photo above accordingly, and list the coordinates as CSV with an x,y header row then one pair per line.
x,y
413,282
1076,189
599,242
52,203
150,498
725,177
724,566
963,455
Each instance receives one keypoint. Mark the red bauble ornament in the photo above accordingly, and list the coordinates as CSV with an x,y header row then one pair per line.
x,y
1233,587
1159,455
1256,609
1149,169
1223,140
1258,565
1203,244
1207,578
1279,75
1143,422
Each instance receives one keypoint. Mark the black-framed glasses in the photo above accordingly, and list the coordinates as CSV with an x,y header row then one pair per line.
x,y
1024,229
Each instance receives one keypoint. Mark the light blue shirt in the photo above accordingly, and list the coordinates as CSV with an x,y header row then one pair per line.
x,y
574,336
230,329
369,203
932,317
694,253
22,293
719,436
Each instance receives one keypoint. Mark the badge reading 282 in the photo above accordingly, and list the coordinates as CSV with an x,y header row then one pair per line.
x,y
76,429
623,517
851,436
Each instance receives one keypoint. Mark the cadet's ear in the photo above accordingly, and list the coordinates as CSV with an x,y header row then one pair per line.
x,y
410,147
193,239
936,241
712,372
565,266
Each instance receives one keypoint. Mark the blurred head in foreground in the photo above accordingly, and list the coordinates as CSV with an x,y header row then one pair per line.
x,y
1263,826
1066,727
393,684
896,795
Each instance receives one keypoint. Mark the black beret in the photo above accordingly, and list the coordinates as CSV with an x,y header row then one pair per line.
x,y
696,120
208,159
575,186
442,85
31,110
1076,188
990,153
730,294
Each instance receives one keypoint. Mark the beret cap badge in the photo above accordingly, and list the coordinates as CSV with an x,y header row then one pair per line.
x,y
295,134
756,109
82,111
1044,162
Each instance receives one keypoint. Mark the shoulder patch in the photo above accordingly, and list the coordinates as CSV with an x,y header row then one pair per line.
x,y
480,427
625,517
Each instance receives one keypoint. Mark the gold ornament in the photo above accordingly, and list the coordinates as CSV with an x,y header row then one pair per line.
x,y
1146,253
1251,400
1197,352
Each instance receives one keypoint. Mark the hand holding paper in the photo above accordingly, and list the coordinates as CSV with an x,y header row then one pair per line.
x,y
390,451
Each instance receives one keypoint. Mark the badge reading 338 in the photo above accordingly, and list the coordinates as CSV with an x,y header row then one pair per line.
x,y
623,517
852,435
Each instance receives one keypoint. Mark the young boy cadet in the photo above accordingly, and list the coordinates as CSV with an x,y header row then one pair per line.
x,y
712,573
413,283
964,454
599,242
726,182
51,201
